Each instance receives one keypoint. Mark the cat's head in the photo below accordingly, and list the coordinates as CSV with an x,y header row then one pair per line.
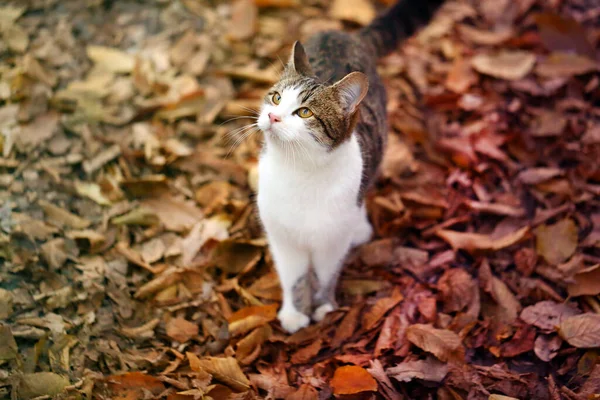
x,y
301,108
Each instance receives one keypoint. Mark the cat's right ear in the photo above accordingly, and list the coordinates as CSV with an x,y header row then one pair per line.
x,y
299,60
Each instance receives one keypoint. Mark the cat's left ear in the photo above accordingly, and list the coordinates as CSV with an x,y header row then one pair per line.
x,y
299,60
352,89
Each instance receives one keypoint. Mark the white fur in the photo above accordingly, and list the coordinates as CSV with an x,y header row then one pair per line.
x,y
308,204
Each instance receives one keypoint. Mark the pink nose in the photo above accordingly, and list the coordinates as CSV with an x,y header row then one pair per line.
x,y
274,118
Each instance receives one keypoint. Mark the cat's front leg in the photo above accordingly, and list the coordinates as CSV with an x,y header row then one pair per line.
x,y
328,259
292,265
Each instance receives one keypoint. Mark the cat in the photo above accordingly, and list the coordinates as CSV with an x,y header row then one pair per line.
x,y
325,127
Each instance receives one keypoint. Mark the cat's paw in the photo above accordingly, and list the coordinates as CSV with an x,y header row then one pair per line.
x,y
362,234
321,311
293,320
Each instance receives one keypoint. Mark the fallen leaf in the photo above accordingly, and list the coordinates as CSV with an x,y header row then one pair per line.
x,y
360,11
564,65
556,243
533,176
461,76
509,65
38,131
305,354
235,257
581,331
8,345
305,392
133,385
477,241
352,379
547,315
442,343
244,19
111,59
41,384
586,282
225,369
62,217
501,397
429,369
175,214
561,33
457,288
381,307
251,317
546,347
181,330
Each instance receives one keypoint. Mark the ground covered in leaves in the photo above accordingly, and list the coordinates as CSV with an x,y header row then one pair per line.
x,y
132,263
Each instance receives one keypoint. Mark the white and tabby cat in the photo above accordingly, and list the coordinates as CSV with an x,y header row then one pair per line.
x,y
325,130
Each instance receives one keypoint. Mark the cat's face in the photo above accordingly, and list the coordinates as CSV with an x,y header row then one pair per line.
x,y
301,109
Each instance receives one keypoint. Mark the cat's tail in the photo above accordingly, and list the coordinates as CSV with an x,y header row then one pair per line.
x,y
399,22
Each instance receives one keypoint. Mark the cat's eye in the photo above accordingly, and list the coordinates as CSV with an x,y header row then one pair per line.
x,y
304,112
276,98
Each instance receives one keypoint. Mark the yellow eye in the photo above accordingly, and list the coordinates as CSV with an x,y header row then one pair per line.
x,y
276,98
304,112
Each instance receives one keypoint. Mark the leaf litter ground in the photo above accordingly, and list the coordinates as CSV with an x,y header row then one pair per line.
x,y
133,265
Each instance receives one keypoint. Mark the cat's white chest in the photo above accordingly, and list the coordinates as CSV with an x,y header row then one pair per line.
x,y
309,205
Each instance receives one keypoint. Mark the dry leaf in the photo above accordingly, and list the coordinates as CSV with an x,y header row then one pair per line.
x,y
457,288
351,380
133,385
461,77
547,314
586,282
509,65
62,217
559,65
501,397
111,59
581,331
244,19
249,318
442,343
181,330
477,241
40,384
546,347
429,369
360,11
556,243
376,313
225,369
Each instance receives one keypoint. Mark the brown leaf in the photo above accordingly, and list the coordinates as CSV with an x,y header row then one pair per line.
x,y
556,243
38,131
40,384
111,59
176,215
444,344
244,19
225,369
501,397
564,65
307,353
586,282
429,369
477,241
305,392
351,380
509,65
360,11
251,317
581,331
61,217
461,76
235,257
533,176
457,288
547,315
247,348
347,327
561,33
181,330
133,385
521,342
546,347
381,307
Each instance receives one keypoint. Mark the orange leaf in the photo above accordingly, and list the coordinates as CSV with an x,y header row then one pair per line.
x,y
478,241
352,379
376,313
131,386
252,317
